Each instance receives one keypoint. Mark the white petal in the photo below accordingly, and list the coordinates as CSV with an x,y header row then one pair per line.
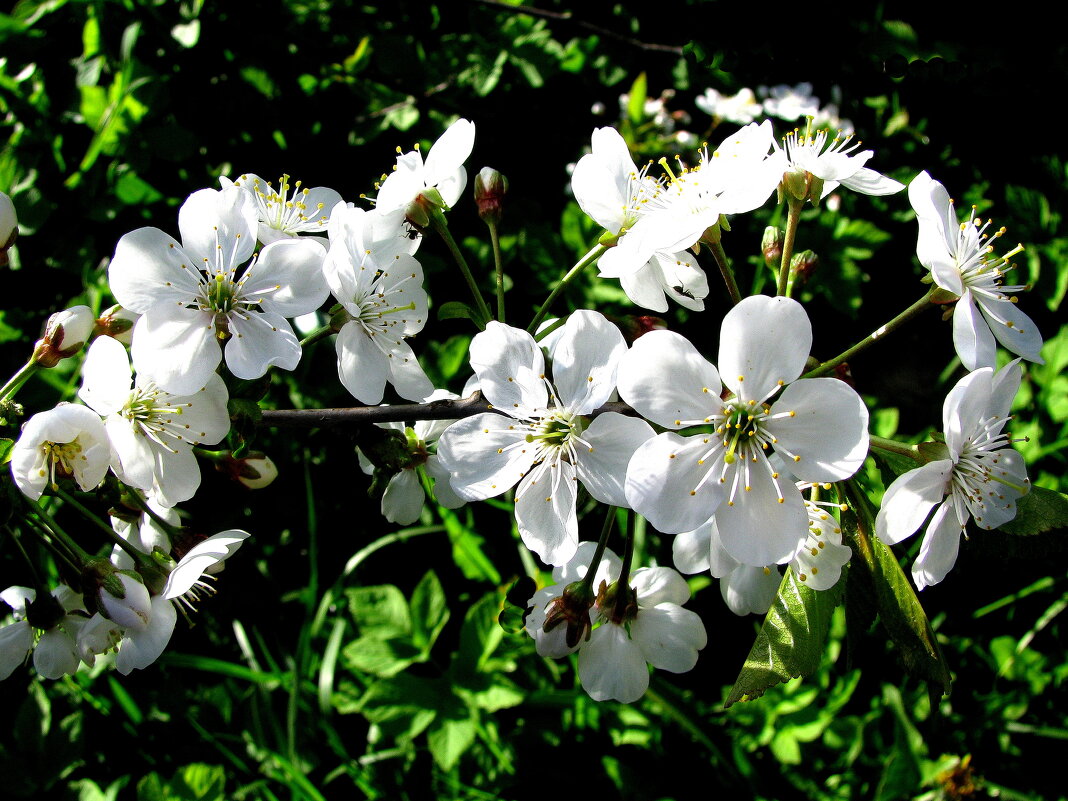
x,y
758,530
220,226
668,381
176,347
448,154
150,268
486,454
1022,337
585,360
202,556
106,376
545,512
16,640
659,585
972,338
55,655
402,502
965,409
828,429
938,553
749,590
669,637
644,287
140,649
870,182
909,499
406,374
763,341
612,667
690,549
667,485
295,267
510,368
361,365
602,468
260,340
443,491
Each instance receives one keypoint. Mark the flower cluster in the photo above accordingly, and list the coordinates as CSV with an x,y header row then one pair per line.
x,y
736,459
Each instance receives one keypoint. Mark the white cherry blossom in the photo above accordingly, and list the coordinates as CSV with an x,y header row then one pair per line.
x,y
833,162
282,213
960,258
443,170
152,432
613,192
981,479
67,441
380,286
193,293
817,426
54,650
539,437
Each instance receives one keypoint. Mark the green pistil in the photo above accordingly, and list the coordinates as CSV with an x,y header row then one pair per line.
x,y
741,421
553,432
222,294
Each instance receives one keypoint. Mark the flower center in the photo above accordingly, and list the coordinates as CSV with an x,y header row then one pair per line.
x,y
153,415
62,457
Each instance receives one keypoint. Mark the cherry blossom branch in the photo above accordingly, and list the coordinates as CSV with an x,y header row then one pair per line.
x,y
437,222
584,262
793,218
363,415
727,272
875,336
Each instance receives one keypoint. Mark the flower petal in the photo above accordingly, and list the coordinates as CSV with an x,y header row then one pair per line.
x,y
485,455
666,379
909,499
585,361
757,529
827,427
612,667
545,511
667,484
510,368
402,502
938,552
602,468
669,637
361,365
176,347
764,342
260,340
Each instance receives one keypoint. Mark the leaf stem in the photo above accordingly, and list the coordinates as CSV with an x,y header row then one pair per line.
x,y
437,222
875,336
584,262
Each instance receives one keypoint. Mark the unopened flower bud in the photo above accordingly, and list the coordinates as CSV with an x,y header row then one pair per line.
x,y
490,189
634,326
771,246
9,226
117,322
66,333
804,264
255,471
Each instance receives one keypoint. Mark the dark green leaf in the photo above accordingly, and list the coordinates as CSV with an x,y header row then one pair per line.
x,y
899,609
454,309
790,643
1038,511
429,612
380,657
380,611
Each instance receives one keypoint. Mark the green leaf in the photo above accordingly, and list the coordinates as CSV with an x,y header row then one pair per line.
x,y
899,609
198,782
380,611
454,309
449,739
380,657
429,612
467,549
790,643
636,101
1038,511
6,446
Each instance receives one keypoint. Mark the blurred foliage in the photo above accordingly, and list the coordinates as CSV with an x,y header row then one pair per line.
x,y
345,658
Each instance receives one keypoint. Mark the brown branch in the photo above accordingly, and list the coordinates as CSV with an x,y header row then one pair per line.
x,y
566,16
363,415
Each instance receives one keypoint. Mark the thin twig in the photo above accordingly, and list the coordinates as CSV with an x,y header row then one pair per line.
x,y
362,415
